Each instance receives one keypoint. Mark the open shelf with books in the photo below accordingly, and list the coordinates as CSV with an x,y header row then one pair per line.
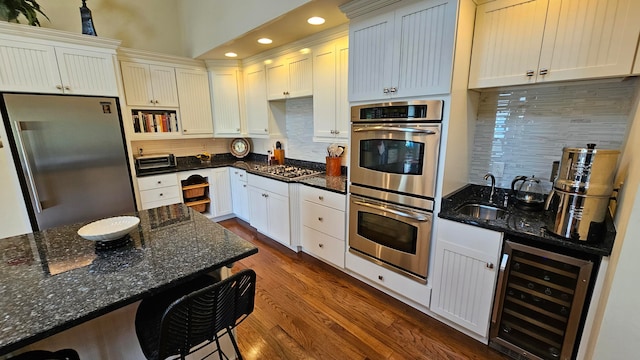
x,y
155,121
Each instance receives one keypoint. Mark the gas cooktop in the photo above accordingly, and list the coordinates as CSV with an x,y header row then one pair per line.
x,y
285,171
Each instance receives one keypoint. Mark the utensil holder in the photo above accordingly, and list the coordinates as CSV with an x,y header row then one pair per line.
x,y
333,166
279,155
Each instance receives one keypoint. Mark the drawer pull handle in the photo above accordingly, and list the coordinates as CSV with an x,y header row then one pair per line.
x,y
159,182
321,198
320,219
380,277
321,245
530,73
489,265
544,71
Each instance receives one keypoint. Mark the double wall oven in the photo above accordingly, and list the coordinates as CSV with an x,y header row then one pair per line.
x,y
393,174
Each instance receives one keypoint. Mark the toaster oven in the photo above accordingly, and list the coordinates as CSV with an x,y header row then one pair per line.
x,y
155,162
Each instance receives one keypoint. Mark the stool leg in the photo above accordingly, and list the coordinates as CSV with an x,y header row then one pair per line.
x,y
235,345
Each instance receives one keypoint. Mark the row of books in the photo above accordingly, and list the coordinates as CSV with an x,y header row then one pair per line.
x,y
144,122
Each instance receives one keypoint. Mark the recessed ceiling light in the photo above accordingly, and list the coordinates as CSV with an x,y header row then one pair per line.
x,y
316,20
265,41
230,54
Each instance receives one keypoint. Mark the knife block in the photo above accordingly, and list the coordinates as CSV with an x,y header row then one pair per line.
x,y
279,155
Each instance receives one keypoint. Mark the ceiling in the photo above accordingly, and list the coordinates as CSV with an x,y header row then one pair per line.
x,y
282,30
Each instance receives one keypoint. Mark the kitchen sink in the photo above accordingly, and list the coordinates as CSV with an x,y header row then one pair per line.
x,y
480,211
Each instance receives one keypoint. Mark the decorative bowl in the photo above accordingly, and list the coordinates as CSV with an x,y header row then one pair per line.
x,y
109,229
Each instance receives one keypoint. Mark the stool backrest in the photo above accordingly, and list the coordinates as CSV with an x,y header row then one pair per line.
x,y
197,317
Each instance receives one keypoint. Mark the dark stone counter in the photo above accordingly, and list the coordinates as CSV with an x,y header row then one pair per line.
x,y
252,162
527,226
53,280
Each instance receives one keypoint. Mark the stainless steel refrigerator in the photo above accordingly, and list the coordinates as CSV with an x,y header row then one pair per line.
x,y
72,156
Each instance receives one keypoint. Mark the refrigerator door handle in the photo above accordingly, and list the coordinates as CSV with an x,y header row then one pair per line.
x,y
27,166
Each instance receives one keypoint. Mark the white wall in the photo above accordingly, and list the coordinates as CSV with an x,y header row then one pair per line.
x,y
209,23
152,25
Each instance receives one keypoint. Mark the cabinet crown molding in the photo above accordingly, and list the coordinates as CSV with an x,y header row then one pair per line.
x,y
357,8
129,54
44,34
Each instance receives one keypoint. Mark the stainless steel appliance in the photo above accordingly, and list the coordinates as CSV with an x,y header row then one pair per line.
x,y
540,296
393,174
582,191
155,161
73,161
285,171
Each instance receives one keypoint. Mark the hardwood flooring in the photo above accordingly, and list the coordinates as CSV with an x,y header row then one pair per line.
x,y
306,309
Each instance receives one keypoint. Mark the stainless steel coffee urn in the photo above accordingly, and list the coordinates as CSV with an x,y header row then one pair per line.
x,y
582,190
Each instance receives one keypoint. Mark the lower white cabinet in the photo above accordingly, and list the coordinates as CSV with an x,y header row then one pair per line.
x,y
220,192
158,190
239,193
323,224
269,210
465,272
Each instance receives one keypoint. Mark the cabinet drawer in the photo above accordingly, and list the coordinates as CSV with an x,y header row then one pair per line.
x,y
170,192
238,174
323,197
274,186
163,202
324,219
323,246
154,182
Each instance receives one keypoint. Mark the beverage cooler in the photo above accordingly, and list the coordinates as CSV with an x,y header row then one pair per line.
x,y
540,302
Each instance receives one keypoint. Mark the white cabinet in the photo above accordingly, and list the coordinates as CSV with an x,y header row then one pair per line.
x,y
15,220
636,67
195,101
239,193
225,99
465,272
402,53
256,105
330,86
523,41
323,224
158,190
269,210
149,85
220,192
42,68
290,77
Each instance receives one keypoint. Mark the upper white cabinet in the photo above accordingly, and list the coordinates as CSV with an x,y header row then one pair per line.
x,y
225,98
74,65
402,53
465,273
527,41
290,77
330,102
149,85
255,96
195,101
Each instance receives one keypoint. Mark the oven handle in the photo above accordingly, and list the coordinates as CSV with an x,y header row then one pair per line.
x,y
394,128
393,210
496,300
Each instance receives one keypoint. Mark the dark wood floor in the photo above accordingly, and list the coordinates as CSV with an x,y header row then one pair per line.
x,y
306,309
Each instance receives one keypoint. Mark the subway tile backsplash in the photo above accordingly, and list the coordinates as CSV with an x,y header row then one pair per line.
x,y
527,128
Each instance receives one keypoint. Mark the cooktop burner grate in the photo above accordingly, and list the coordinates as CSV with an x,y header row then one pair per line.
x,y
286,171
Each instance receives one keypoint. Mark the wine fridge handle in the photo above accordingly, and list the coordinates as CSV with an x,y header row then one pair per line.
x,y
499,288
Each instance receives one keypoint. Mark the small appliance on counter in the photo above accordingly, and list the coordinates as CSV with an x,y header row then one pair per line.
x,y
529,195
155,161
582,190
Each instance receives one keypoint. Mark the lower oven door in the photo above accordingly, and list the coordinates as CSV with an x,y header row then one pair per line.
x,y
395,235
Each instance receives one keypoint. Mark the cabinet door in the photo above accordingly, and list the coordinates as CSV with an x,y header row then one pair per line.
x,y
220,192
343,110
424,35
87,72
195,102
300,74
324,91
28,68
136,80
277,80
278,218
239,194
258,210
163,82
15,220
464,276
506,42
370,57
226,102
256,100
589,39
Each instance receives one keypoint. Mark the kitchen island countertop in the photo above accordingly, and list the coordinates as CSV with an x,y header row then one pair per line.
x,y
52,280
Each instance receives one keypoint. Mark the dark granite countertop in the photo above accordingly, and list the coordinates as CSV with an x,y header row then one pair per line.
x,y
187,163
54,279
527,226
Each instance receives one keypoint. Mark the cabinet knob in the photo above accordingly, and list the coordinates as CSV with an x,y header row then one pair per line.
x,y
544,71
67,87
150,101
241,175
320,245
337,132
161,195
238,129
380,277
489,265
266,130
385,90
321,198
244,185
59,87
393,90
159,182
333,131
530,73
320,219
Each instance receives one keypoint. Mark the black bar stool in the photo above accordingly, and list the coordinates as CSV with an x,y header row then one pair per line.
x,y
64,354
184,321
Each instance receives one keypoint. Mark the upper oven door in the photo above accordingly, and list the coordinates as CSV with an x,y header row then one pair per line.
x,y
396,157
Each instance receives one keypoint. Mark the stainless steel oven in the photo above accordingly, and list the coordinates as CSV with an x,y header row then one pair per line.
x,y
395,146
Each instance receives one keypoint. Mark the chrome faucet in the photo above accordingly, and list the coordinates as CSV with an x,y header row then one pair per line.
x,y
493,186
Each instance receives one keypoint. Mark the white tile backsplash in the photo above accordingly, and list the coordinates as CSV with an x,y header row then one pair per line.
x,y
527,128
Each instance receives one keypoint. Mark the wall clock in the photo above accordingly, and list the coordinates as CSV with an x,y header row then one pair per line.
x,y
240,147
